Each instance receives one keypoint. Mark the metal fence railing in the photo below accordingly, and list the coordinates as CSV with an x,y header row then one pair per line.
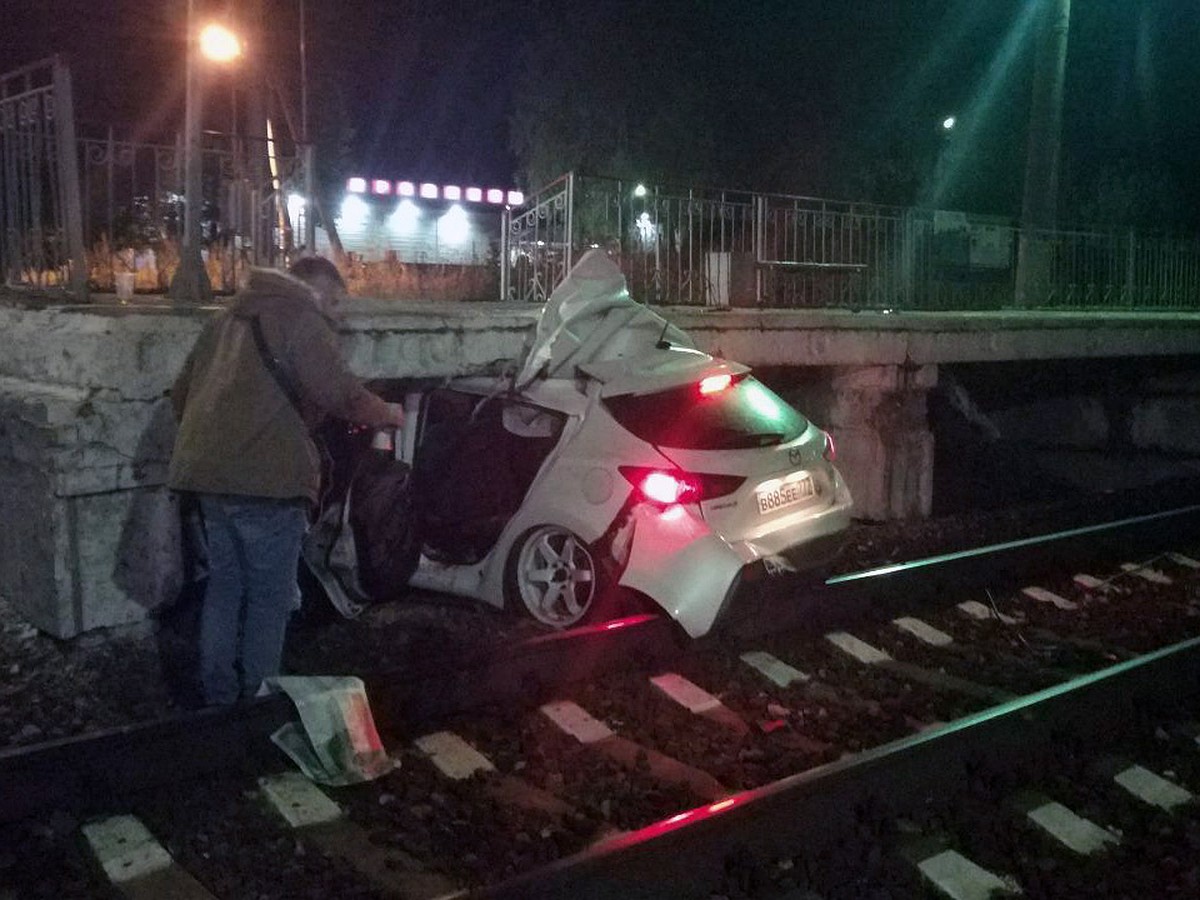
x,y
255,205
40,239
705,247
79,211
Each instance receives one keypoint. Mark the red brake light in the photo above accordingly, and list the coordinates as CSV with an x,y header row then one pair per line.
x,y
663,487
714,384
830,451
667,486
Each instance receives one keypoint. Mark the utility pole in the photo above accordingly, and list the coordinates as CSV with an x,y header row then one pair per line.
x,y
190,283
1039,207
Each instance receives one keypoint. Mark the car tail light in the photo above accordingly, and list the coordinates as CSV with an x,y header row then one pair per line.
x,y
669,486
714,384
830,451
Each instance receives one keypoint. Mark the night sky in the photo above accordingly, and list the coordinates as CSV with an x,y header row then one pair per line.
x,y
809,96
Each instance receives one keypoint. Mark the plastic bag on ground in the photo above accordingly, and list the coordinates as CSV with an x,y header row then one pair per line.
x,y
335,742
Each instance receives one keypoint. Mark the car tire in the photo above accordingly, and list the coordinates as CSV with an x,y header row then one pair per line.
x,y
554,577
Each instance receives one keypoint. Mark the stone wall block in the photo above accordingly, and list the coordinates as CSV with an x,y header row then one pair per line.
x,y
139,354
28,547
878,417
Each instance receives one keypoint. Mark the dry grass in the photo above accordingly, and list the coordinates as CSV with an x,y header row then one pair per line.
x,y
154,266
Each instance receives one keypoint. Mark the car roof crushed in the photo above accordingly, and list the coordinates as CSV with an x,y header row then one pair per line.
x,y
591,318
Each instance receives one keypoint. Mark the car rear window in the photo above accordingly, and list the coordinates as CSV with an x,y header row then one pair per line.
x,y
745,414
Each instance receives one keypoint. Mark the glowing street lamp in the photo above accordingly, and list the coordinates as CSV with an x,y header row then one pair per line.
x,y
217,43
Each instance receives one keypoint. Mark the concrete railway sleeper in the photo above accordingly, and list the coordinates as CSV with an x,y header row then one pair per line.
x,y
701,774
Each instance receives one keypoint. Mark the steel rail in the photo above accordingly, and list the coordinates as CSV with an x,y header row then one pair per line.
x,y
687,855
821,601
94,771
89,772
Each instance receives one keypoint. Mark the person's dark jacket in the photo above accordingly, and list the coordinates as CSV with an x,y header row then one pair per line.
x,y
238,431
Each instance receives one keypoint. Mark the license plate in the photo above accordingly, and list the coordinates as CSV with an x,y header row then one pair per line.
x,y
787,494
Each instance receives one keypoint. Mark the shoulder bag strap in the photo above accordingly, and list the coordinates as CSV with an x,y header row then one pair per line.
x,y
273,364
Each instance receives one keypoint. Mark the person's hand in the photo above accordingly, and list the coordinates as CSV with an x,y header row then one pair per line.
x,y
395,414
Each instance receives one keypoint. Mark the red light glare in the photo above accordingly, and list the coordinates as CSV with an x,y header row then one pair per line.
x,y
714,384
830,451
664,488
722,804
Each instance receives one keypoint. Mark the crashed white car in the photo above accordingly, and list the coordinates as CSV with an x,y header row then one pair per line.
x,y
618,462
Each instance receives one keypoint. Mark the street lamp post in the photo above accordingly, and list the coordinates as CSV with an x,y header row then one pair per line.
x,y
1039,208
190,283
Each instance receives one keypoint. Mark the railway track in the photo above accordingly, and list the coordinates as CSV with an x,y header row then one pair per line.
x,y
931,704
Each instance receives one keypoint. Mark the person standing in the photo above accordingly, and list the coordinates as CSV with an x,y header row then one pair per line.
x,y
262,376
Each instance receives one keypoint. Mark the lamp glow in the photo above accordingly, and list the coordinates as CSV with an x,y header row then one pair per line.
x,y
454,227
354,212
404,220
219,44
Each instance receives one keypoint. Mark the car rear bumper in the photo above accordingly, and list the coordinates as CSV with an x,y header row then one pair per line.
x,y
693,573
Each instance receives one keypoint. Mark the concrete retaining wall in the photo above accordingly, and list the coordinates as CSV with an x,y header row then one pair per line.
x,y
89,536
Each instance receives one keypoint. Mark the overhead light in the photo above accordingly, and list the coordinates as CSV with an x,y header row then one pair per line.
x,y
406,189
429,191
495,195
405,219
452,192
454,227
381,186
515,198
475,195
357,185
219,44
354,212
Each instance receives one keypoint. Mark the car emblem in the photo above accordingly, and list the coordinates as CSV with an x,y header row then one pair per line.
x,y
795,455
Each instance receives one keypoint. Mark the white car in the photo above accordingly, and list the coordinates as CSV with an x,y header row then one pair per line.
x,y
625,465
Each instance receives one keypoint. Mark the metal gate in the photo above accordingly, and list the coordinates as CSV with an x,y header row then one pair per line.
x,y
536,244
41,242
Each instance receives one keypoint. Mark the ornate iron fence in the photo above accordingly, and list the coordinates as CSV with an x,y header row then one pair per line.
x,y
78,211
256,207
41,241
707,247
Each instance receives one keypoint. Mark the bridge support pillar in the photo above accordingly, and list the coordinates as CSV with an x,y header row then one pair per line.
x,y
877,417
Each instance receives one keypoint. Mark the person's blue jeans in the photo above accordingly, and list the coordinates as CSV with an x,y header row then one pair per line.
x,y
253,548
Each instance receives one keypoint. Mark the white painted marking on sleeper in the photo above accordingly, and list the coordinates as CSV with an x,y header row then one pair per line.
x,y
576,721
1044,596
125,848
452,755
690,696
1147,574
772,668
960,879
298,800
1072,831
860,650
923,631
1152,789
983,612
1182,560
1092,583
